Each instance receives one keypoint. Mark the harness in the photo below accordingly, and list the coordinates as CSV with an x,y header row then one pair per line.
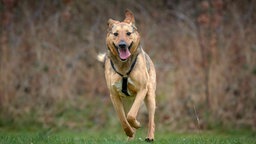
x,y
124,77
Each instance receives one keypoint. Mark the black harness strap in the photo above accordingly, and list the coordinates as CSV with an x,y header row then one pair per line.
x,y
124,78
124,86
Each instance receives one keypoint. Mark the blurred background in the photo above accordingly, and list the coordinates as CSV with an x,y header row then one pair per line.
x,y
204,53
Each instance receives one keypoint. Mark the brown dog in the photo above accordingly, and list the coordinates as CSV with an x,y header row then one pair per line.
x,y
130,75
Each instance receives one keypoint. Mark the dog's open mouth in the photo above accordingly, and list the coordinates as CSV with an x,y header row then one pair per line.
x,y
124,52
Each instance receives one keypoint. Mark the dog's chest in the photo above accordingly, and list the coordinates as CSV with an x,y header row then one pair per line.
x,y
131,87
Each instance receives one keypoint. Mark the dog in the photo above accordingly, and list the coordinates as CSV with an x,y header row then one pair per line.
x,y
130,75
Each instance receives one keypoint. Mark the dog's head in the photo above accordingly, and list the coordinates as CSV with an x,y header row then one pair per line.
x,y
122,37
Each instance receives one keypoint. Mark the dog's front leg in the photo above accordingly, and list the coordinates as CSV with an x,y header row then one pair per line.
x,y
132,114
119,108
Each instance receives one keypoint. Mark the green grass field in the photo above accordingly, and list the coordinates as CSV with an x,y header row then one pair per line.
x,y
67,137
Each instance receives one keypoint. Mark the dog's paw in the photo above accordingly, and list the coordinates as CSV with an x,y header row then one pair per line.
x,y
129,132
149,140
133,122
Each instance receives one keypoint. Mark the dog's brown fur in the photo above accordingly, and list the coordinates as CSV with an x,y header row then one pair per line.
x,y
124,50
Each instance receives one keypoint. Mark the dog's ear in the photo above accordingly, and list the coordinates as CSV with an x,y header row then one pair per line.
x,y
111,22
129,17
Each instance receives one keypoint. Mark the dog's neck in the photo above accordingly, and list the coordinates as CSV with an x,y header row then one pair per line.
x,y
123,66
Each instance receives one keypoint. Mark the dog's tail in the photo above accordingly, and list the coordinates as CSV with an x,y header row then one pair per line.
x,y
101,57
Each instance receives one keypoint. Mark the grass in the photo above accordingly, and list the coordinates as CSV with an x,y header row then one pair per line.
x,y
64,137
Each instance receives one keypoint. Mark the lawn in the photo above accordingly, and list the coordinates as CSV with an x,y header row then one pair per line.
x,y
67,137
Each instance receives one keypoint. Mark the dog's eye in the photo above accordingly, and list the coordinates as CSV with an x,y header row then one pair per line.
x,y
115,34
128,33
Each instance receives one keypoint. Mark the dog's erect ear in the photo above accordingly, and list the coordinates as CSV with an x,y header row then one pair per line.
x,y
129,17
111,22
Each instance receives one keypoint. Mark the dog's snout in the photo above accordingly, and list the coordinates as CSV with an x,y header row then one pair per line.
x,y
122,44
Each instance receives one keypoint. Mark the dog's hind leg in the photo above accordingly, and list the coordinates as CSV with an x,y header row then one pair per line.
x,y
151,106
119,108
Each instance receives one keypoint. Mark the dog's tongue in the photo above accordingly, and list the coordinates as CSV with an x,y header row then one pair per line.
x,y
124,53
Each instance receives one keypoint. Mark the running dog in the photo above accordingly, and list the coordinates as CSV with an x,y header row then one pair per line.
x,y
130,75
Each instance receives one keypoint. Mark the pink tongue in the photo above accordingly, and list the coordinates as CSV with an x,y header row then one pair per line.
x,y
124,53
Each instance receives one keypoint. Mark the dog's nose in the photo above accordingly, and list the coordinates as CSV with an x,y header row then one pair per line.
x,y
122,44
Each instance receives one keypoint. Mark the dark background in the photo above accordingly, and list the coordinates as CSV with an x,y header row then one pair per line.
x,y
204,53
